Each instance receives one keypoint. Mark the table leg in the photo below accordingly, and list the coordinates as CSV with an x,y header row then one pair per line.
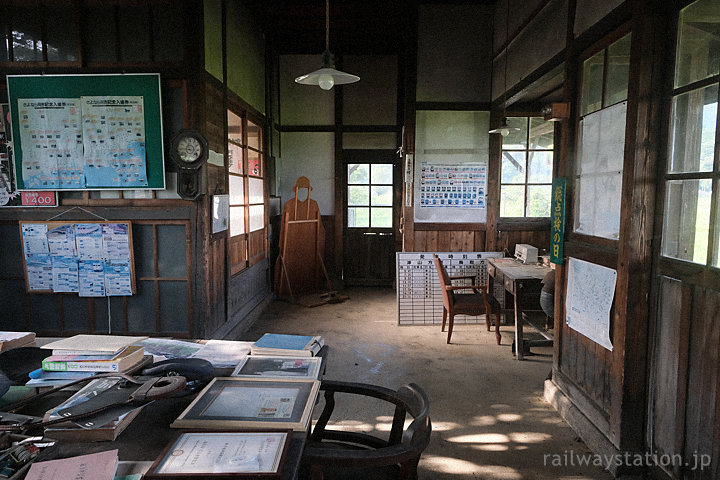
x,y
518,326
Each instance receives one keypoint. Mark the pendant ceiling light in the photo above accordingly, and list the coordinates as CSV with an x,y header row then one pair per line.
x,y
504,129
327,76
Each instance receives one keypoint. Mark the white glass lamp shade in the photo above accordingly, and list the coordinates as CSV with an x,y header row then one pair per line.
x,y
504,129
327,78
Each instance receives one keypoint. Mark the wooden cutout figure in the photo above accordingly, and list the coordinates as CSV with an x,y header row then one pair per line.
x,y
300,269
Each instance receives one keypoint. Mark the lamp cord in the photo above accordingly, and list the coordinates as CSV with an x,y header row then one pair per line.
x,y
327,25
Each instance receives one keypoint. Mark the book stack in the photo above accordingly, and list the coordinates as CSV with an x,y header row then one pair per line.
x,y
287,345
83,356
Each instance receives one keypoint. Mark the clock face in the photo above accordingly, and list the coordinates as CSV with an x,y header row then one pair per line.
x,y
189,149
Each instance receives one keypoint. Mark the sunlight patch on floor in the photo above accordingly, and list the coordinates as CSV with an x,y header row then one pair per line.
x,y
463,467
480,438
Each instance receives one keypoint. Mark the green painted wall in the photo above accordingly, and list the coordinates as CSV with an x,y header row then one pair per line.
x,y
245,56
213,38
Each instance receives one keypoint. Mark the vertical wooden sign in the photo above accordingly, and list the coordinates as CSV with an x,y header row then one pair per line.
x,y
557,224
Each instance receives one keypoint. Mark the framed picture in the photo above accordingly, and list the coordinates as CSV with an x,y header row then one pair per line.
x,y
283,367
258,403
206,455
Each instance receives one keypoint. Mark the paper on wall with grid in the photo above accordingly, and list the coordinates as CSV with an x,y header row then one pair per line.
x,y
419,299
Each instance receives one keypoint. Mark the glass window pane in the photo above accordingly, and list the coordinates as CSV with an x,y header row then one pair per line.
x,y
542,133
358,217
694,116
698,52
235,132
687,219
381,173
538,204
512,200
616,86
381,218
255,190
173,306
592,81
235,158
26,35
257,217
237,190
254,135
237,221
518,139
382,195
254,163
513,167
62,34
358,195
172,255
358,173
540,167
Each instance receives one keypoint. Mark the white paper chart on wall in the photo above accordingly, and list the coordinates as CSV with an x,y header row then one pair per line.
x,y
419,299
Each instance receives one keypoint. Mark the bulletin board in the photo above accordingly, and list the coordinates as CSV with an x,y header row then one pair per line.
x,y
87,132
419,297
90,258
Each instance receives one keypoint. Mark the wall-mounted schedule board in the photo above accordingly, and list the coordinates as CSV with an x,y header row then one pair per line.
x,y
419,298
87,132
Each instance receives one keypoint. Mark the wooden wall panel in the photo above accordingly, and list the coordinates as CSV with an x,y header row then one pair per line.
x,y
701,411
449,241
217,286
238,253
256,246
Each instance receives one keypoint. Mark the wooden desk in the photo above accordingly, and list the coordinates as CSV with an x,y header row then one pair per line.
x,y
523,282
148,434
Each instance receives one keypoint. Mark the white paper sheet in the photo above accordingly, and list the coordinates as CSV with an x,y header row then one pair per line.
x,y
590,293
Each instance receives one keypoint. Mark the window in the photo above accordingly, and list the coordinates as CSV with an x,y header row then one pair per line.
x,y
246,188
526,168
28,37
601,140
370,195
692,175
601,89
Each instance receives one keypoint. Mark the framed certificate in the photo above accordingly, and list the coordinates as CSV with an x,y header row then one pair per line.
x,y
284,367
205,455
258,403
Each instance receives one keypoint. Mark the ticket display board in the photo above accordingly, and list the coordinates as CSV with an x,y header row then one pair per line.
x,y
419,298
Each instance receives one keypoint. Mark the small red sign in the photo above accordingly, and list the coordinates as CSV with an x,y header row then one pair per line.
x,y
38,199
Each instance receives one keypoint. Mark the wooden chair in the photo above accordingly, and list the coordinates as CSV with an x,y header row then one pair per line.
x,y
331,454
477,303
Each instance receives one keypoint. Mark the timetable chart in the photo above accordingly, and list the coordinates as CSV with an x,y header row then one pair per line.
x,y
419,298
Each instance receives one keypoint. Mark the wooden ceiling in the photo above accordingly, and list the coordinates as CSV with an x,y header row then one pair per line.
x,y
356,26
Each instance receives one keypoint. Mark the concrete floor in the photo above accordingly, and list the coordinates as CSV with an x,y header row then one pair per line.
x,y
489,417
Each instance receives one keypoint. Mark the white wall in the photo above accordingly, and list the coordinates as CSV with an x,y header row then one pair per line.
x,y
309,154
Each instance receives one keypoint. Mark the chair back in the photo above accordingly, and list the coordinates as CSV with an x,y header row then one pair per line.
x,y
444,278
348,455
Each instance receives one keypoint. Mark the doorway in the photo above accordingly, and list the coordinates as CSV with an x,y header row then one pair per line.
x,y
371,203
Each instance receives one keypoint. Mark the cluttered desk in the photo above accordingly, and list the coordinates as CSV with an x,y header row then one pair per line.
x,y
522,277
183,408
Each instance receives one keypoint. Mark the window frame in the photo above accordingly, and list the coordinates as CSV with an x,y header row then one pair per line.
x,y
250,246
690,268
527,150
600,46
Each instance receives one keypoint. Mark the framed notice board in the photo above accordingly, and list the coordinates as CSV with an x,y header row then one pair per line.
x,y
87,132
419,298
92,259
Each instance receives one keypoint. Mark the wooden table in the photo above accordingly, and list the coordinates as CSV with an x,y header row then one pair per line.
x,y
148,434
523,282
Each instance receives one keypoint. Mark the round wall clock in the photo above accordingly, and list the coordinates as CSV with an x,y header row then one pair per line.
x,y
189,149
